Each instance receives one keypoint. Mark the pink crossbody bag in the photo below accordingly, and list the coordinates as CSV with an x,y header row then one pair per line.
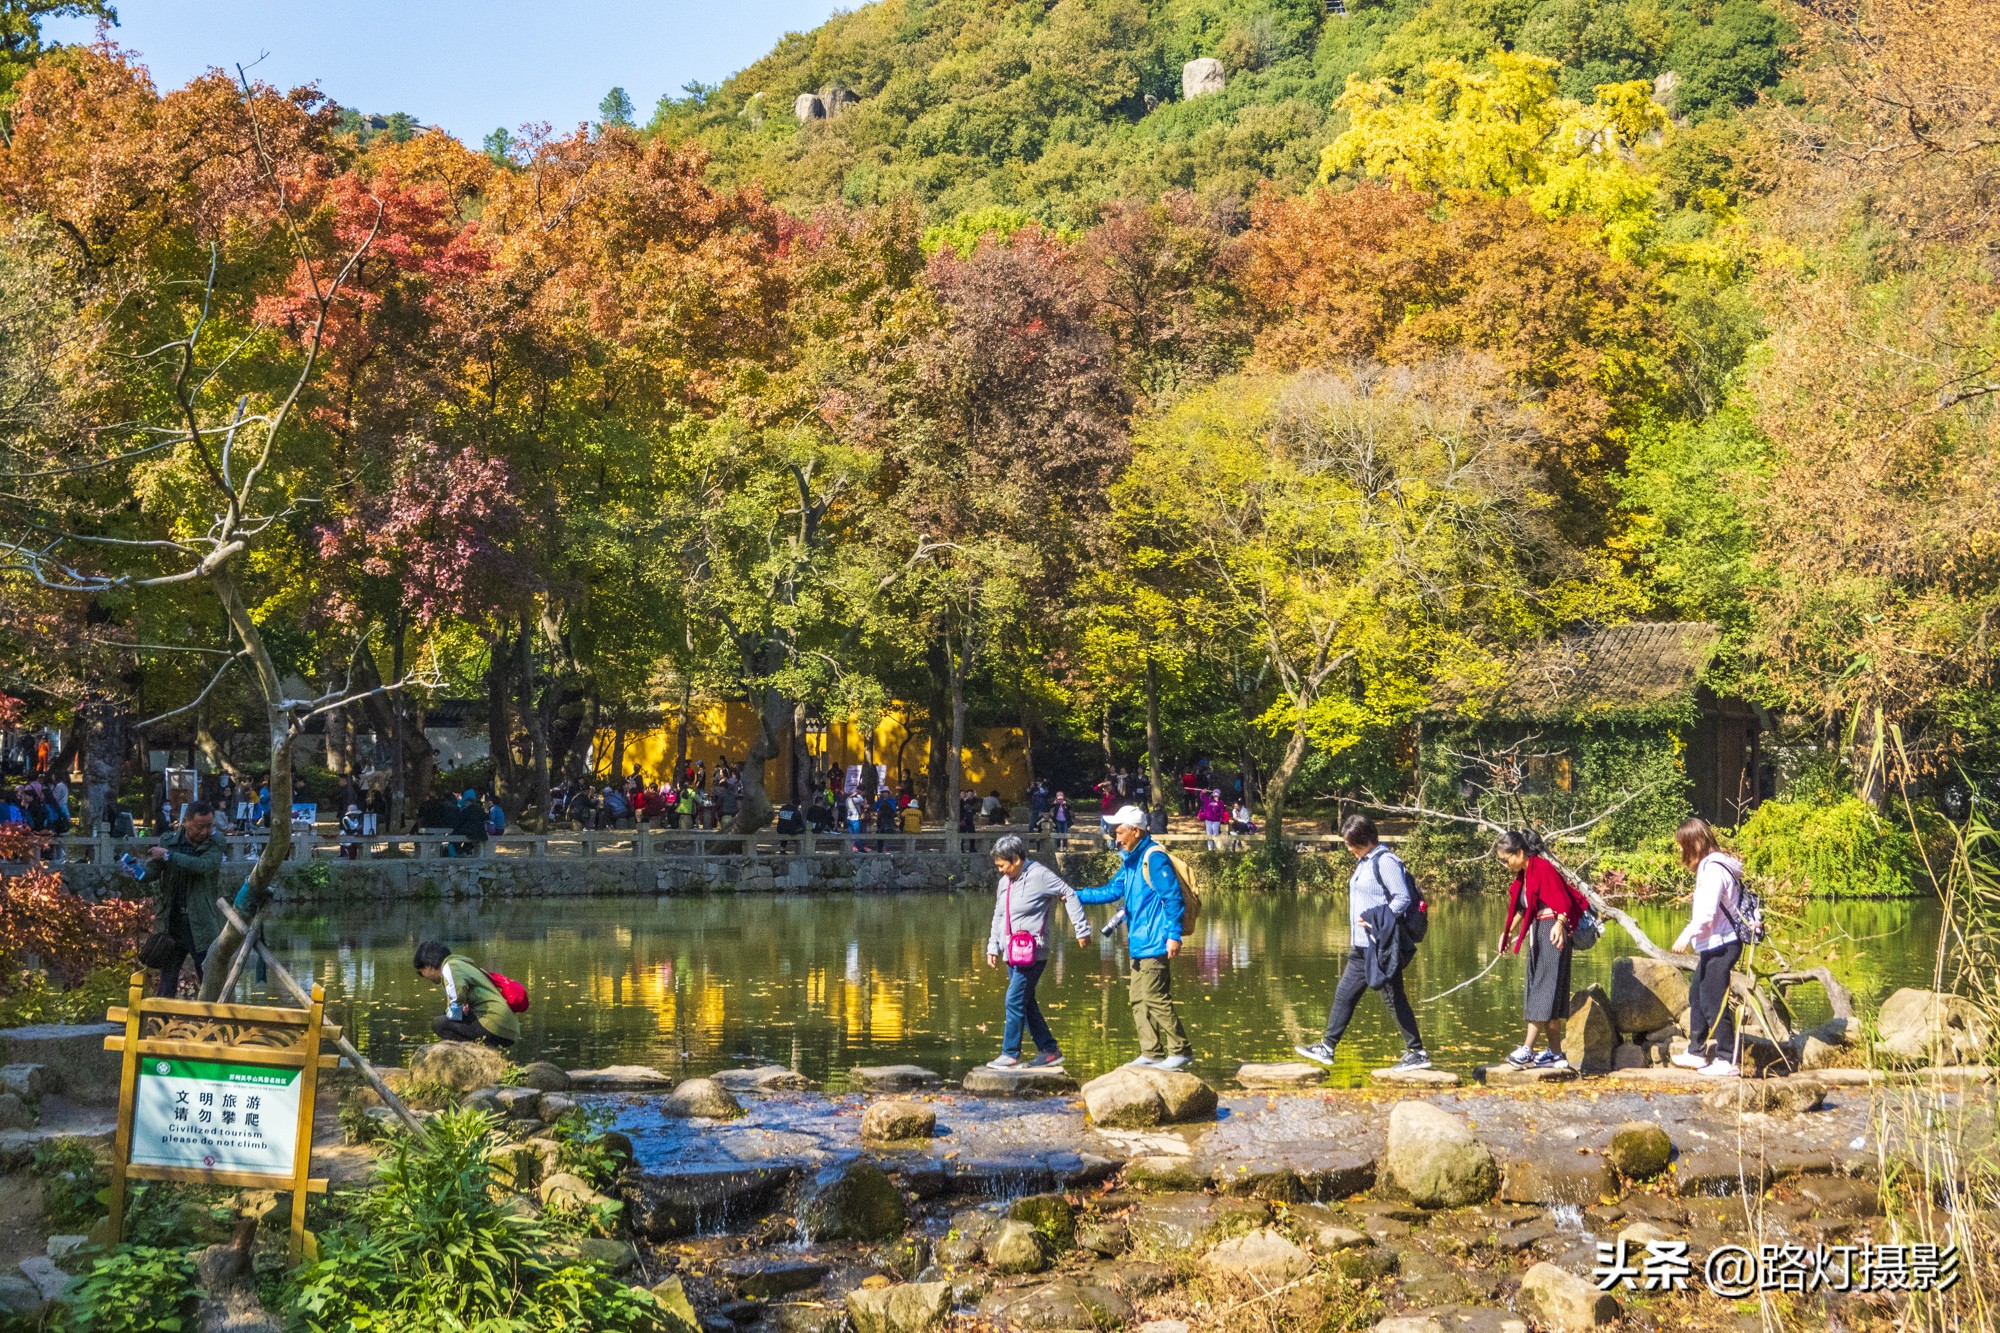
x,y
1020,944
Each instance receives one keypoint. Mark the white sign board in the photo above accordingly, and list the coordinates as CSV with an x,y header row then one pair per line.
x,y
215,1116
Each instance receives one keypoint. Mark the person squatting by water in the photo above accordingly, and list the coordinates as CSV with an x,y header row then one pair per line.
x,y
1548,910
1711,932
1154,912
1379,894
1022,904
474,1008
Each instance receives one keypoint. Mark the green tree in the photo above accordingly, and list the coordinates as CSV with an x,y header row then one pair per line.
x,y
615,110
21,30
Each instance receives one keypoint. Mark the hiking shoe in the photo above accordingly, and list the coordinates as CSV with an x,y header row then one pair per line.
x,y
1689,1060
1045,1060
1173,1062
1413,1060
1520,1057
1004,1062
1143,1062
1551,1060
1319,1053
1720,1068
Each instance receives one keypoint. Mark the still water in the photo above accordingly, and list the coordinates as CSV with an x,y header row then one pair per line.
x,y
691,985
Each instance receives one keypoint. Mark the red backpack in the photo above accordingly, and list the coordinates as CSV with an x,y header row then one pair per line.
x,y
512,991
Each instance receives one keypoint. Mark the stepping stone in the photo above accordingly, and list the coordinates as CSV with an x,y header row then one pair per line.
x,y
619,1078
984,1082
1663,1076
1855,1078
1506,1076
1281,1077
1954,1074
1414,1078
764,1078
892,1078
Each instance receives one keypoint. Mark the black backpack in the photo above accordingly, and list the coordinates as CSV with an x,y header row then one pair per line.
x,y
1417,917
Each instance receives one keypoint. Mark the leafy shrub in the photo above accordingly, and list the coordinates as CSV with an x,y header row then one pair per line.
x,y
584,1152
33,997
135,1289
1838,850
67,936
72,1180
434,1247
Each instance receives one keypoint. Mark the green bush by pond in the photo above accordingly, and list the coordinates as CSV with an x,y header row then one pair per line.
x,y
1839,849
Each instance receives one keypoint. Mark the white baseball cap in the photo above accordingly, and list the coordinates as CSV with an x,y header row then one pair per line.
x,y
1130,816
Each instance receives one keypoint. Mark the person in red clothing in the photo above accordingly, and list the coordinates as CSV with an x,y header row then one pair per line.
x,y
1548,910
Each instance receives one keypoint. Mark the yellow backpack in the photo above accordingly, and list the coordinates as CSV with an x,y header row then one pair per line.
x,y
1190,894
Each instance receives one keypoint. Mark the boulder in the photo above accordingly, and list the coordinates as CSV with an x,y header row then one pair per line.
x,y
485,1099
1932,1027
897,1122
1050,1215
544,1077
700,1098
1565,1302
760,1278
1062,1304
1143,1098
984,1082
679,1313
15,1113
613,1256
1281,1077
1590,1036
74,1055
21,1298
892,1078
1017,1248
807,106
1629,1055
1266,1256
852,1201
911,1307
1173,1225
1202,76
1413,1078
1772,1096
1104,1239
1550,1180
28,1082
1647,994
1332,1237
553,1106
462,1066
564,1188
1640,1150
619,1078
50,1280
1165,1174
1718,1172
763,1079
671,1204
519,1103
1433,1157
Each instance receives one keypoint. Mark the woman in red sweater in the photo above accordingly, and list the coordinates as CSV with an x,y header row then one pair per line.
x,y
1548,910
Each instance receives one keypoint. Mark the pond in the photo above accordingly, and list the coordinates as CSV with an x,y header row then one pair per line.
x,y
821,983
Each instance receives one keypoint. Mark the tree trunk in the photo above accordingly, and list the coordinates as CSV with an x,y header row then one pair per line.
x,y
938,796
795,759
681,732
1153,735
105,754
618,747
774,721
1279,786
500,721
955,756
533,717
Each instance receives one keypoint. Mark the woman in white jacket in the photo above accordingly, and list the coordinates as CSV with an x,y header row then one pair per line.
x,y
1711,933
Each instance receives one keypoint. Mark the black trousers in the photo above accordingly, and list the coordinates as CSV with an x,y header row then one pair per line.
x,y
1353,981
466,1029
1711,1025
170,977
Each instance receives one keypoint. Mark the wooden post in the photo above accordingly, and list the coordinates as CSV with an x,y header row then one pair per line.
x,y
128,1086
308,1096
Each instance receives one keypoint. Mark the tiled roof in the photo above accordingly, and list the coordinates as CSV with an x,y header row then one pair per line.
x,y
1639,667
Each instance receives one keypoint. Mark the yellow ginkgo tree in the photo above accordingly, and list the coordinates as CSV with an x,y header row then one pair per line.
x,y
1506,130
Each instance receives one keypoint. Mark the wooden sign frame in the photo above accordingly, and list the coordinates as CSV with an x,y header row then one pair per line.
x,y
237,1034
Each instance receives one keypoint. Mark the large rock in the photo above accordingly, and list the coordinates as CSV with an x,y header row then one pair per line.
x,y
1508,1076
1565,1302
1017,1248
1932,1027
1063,1304
571,1191
619,1078
15,1113
852,1201
544,1077
1050,1215
1647,994
1590,1036
763,1079
1171,1226
807,106
1640,1150
760,1277
897,1122
73,1053
676,1311
28,1082
1166,1174
462,1066
1434,1158
1202,76
670,1205
1266,1256
1772,1096
1281,1077
911,1307
1554,1179
892,1078
984,1082
701,1098
1143,1098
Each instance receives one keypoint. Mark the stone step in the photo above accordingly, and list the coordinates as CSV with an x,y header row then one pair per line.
x,y
1507,1076
1414,1078
892,1078
1045,1082
763,1079
619,1078
1281,1077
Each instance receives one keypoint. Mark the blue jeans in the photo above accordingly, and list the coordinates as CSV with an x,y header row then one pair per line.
x,y
1021,1007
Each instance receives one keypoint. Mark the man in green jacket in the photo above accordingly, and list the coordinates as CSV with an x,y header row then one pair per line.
x,y
187,868
474,1008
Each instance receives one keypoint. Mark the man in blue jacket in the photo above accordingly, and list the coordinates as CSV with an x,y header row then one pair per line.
x,y
1153,914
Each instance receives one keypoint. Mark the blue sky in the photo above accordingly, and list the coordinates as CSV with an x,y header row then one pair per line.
x,y
469,67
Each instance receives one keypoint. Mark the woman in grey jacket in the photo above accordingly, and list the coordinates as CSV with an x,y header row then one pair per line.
x,y
1022,904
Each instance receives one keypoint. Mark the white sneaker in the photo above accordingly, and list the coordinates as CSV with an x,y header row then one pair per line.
x,y
1689,1060
1003,1062
1143,1062
1722,1069
1177,1062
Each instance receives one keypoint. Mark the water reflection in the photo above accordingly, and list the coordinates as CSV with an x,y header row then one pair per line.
x,y
692,985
